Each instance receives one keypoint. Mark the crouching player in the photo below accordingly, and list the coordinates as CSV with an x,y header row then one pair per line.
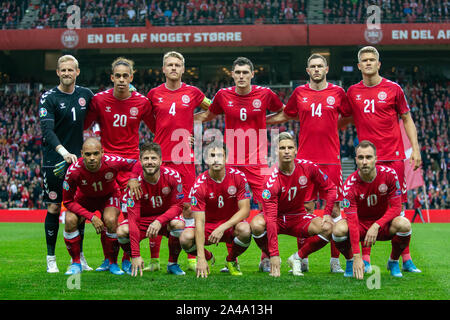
x,y
90,185
372,204
155,211
220,200
284,211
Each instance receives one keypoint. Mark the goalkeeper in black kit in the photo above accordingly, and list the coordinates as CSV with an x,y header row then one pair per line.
x,y
61,112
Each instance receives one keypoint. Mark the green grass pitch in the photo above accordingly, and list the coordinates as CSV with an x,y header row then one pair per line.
x,y
23,272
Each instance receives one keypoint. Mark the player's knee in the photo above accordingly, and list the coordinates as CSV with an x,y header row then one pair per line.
x,y
258,225
327,230
309,206
340,229
122,231
54,208
243,230
401,224
187,238
71,222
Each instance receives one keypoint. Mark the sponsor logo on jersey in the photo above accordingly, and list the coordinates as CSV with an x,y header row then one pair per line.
x,y
231,190
194,201
303,180
331,100
345,203
160,100
66,186
82,102
382,188
305,99
185,98
266,194
107,109
358,97
134,111
62,105
42,112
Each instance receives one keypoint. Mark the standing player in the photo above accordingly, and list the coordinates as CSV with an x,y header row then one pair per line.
x,y
376,104
372,205
61,111
284,211
244,106
318,105
119,113
155,212
90,185
220,201
173,105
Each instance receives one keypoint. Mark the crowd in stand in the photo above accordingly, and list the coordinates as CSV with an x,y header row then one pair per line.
x,y
392,11
122,13
21,178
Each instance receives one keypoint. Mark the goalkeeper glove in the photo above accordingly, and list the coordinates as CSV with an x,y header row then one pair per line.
x,y
60,169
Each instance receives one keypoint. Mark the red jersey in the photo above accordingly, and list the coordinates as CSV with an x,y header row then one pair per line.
x,y
245,122
284,194
81,183
119,121
367,203
173,111
318,112
163,199
376,113
219,200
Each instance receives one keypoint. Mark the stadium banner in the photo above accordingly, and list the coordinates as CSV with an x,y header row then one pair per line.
x,y
147,37
387,34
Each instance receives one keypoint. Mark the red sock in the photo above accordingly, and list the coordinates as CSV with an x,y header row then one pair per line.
x,y
73,246
236,249
104,245
334,251
406,255
263,245
112,247
155,244
312,244
126,247
399,242
174,249
365,252
345,248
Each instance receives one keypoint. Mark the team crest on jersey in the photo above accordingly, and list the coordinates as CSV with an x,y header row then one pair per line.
x,y
130,203
109,175
382,95
52,195
257,103
345,203
66,186
231,190
165,191
266,194
303,180
185,98
194,201
42,112
382,188
82,102
134,111
331,100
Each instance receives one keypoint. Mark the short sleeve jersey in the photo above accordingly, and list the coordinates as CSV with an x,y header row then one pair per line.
x,y
119,121
219,200
173,111
376,112
245,122
318,112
